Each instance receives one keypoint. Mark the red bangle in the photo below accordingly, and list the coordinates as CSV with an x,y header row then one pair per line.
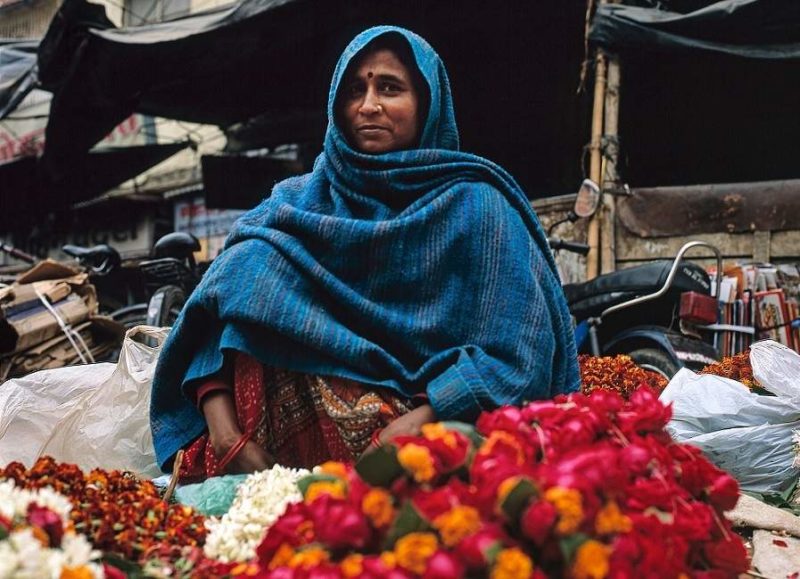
x,y
375,438
234,450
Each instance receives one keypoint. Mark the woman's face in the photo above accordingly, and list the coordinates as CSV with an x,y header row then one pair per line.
x,y
379,105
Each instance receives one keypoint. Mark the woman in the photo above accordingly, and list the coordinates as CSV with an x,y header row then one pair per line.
x,y
400,282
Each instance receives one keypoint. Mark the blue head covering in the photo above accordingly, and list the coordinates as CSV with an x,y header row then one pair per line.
x,y
422,271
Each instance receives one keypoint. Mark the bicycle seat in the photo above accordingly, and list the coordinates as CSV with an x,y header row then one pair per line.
x,y
590,298
178,245
101,258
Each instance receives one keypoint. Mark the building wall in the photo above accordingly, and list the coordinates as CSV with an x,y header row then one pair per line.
x,y
26,18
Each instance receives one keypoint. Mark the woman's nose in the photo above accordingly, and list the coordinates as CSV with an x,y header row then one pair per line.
x,y
370,105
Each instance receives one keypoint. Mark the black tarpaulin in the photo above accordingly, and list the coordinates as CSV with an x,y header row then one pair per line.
x,y
17,72
27,191
514,70
763,29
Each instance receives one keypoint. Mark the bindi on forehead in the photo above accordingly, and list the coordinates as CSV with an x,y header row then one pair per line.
x,y
370,74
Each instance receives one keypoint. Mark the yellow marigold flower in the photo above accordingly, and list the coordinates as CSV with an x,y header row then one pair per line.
x,y
611,520
334,488
591,560
438,431
418,461
457,523
389,559
352,565
282,556
512,564
308,558
569,504
377,504
414,550
82,572
334,468
247,569
498,436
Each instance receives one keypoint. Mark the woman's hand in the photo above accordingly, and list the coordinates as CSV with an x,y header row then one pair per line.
x,y
409,424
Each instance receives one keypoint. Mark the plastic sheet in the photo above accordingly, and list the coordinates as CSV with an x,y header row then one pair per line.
x,y
93,416
747,434
212,497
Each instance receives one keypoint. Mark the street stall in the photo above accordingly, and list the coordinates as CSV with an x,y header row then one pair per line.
x,y
635,475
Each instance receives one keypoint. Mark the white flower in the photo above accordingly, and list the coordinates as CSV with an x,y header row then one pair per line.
x,y
259,501
14,501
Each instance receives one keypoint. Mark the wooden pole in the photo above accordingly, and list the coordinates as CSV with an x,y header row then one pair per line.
x,y
609,173
595,162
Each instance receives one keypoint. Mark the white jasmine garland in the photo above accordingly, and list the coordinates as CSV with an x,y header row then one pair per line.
x,y
260,500
22,555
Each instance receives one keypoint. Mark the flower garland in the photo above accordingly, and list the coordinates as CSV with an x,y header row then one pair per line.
x,y
259,501
37,539
582,486
616,373
736,367
117,512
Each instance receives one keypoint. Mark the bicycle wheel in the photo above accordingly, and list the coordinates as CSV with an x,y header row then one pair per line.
x,y
165,306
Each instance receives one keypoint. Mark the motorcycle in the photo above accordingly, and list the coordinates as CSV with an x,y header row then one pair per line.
x,y
661,314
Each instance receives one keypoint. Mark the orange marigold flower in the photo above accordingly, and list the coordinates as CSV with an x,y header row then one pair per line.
x,y
282,556
414,550
334,488
500,437
611,520
438,431
389,559
569,504
591,560
309,558
512,564
457,523
352,565
82,572
378,506
418,461
334,468
246,569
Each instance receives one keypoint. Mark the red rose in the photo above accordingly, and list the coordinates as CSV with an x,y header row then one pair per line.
x,y
112,572
48,521
507,418
727,555
724,492
473,549
693,521
375,568
643,413
444,565
292,527
338,524
537,521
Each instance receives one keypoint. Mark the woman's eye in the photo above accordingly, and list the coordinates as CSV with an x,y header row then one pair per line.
x,y
389,87
355,90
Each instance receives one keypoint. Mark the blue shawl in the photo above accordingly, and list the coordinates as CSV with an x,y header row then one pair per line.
x,y
421,271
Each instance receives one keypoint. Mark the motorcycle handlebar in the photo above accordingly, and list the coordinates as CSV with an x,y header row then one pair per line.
x,y
579,248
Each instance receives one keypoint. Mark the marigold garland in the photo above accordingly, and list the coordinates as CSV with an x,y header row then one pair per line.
x,y
735,367
617,373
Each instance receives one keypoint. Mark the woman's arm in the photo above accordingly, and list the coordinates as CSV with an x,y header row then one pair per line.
x,y
409,424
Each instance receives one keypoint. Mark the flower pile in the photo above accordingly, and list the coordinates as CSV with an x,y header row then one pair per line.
x,y
117,512
37,539
259,501
617,373
735,367
581,486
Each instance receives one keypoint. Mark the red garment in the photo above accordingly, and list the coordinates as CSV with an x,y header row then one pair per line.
x,y
300,419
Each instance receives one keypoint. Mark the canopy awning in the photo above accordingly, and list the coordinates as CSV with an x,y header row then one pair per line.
x,y
27,191
762,29
514,68
18,72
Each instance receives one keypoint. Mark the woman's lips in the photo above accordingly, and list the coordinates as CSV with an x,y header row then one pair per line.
x,y
371,129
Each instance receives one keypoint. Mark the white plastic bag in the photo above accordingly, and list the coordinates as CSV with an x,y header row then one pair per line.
x,y
93,416
749,435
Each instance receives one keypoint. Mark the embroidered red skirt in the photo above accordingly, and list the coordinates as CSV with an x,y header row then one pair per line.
x,y
301,419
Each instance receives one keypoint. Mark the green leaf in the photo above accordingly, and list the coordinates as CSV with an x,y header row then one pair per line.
x,y
516,500
571,544
308,480
131,569
409,520
380,467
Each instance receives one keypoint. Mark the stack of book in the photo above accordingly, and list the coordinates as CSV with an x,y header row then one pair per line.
x,y
763,297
